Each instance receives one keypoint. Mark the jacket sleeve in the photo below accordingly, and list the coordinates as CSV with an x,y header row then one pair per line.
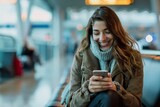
x,y
79,94
133,93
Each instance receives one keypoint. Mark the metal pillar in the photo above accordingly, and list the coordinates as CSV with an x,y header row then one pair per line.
x,y
156,9
58,18
27,23
19,27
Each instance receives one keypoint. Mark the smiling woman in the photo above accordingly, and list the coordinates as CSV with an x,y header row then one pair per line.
x,y
106,46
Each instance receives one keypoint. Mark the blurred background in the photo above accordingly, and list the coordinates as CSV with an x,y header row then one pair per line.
x,y
38,39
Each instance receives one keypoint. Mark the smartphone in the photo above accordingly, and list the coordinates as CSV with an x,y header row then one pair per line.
x,y
102,73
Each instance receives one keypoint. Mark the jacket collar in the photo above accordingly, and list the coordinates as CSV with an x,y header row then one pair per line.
x,y
92,63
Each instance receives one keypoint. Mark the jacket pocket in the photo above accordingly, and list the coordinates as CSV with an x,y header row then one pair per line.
x,y
122,78
126,79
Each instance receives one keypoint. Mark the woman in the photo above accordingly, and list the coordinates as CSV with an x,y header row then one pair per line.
x,y
106,46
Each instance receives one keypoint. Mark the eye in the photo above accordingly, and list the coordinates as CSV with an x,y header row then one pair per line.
x,y
96,33
107,32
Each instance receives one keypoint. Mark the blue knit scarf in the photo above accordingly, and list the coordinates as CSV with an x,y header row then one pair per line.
x,y
103,56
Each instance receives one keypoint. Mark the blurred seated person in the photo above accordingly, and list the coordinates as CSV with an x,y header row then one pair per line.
x,y
150,46
29,56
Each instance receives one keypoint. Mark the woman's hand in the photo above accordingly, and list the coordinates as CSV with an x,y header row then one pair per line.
x,y
99,83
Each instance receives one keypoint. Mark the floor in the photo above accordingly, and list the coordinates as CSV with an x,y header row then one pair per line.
x,y
34,88
21,92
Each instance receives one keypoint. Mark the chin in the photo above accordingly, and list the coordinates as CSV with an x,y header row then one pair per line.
x,y
105,48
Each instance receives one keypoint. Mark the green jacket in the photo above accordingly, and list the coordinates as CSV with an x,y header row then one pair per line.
x,y
83,65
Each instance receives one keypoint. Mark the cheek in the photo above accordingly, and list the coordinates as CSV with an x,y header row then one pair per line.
x,y
111,36
96,38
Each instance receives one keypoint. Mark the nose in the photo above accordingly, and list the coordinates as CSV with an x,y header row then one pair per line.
x,y
102,37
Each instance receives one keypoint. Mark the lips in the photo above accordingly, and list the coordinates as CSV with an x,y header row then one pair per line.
x,y
104,44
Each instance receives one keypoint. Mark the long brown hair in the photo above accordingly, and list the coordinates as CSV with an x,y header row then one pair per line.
x,y
123,46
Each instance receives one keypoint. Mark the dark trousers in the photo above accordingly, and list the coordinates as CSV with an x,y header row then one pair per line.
x,y
106,99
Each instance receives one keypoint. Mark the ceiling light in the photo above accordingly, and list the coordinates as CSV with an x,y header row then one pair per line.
x,y
8,1
108,2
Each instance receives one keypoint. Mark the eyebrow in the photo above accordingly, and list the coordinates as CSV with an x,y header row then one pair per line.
x,y
98,30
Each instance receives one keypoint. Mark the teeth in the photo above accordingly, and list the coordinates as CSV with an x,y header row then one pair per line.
x,y
104,43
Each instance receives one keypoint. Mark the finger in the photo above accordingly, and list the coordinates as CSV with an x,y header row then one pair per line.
x,y
100,88
96,89
96,78
106,86
99,83
106,79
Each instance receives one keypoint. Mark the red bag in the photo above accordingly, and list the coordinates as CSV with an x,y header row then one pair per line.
x,y
17,65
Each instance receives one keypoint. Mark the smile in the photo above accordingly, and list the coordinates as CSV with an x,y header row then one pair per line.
x,y
104,44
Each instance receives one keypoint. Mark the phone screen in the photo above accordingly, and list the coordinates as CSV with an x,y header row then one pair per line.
x,y
102,73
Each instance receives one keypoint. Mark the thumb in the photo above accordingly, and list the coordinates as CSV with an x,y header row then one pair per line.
x,y
109,75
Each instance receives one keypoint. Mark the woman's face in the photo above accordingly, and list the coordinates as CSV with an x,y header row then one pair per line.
x,y
102,35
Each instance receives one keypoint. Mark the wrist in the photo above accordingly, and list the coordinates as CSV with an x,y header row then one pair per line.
x,y
116,86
